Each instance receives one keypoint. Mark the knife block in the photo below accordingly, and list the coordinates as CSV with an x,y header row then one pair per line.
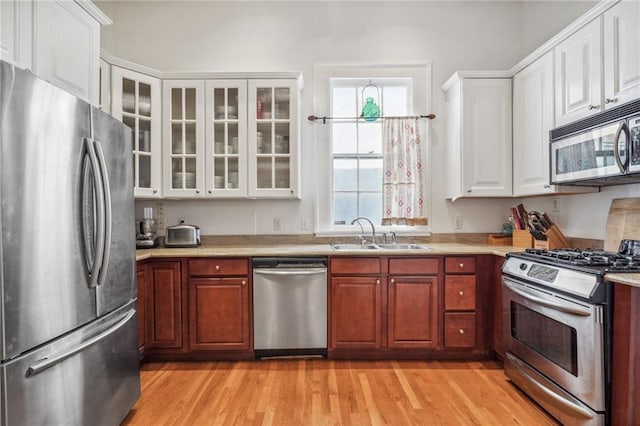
x,y
555,240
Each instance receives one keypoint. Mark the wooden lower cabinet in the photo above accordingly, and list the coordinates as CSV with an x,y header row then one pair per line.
x,y
164,309
459,330
412,312
355,313
219,314
142,284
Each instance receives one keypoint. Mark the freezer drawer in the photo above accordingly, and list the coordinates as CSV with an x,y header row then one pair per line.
x,y
90,376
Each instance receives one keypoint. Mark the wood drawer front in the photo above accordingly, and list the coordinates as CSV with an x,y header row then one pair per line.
x,y
413,266
218,267
355,265
460,265
460,292
459,330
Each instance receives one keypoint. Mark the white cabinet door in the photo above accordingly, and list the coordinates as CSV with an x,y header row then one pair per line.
x,y
226,138
273,138
16,39
136,101
533,100
622,53
67,48
183,136
578,74
486,137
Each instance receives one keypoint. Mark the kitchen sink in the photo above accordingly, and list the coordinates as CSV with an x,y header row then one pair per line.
x,y
400,246
380,247
355,247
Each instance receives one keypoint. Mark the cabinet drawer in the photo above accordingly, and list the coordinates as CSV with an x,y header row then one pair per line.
x,y
459,330
355,265
413,266
459,265
460,292
219,267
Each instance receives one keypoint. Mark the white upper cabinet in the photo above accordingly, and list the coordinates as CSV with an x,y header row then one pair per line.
x,y
622,53
136,101
58,40
533,99
479,137
183,130
273,133
578,74
226,138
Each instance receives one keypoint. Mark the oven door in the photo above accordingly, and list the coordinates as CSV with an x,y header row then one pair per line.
x,y
560,338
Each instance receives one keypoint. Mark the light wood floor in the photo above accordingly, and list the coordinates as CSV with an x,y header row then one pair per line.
x,y
321,392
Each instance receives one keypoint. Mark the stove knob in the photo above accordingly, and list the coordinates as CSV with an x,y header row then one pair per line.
x,y
523,266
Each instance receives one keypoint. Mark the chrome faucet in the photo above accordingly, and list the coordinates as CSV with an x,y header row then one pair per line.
x,y
373,230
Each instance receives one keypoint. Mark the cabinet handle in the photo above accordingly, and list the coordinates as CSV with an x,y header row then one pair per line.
x,y
461,331
393,281
547,186
592,107
461,293
217,267
611,100
461,265
468,191
244,282
377,281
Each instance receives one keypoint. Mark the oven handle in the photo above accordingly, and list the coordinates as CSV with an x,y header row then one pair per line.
x,y
547,303
575,409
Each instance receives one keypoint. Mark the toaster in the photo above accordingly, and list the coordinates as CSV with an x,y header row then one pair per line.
x,y
182,235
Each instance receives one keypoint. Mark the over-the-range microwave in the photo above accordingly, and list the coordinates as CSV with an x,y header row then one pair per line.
x,y
600,150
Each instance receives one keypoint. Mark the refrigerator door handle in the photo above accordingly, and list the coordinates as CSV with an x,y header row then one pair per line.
x,y
41,365
102,276
100,209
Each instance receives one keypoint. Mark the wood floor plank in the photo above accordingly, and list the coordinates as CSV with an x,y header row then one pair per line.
x,y
332,393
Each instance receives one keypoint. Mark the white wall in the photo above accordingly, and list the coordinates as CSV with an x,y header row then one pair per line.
x,y
291,36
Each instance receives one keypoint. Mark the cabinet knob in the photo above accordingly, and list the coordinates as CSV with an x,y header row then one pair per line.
x,y
393,281
611,100
461,293
377,281
547,186
155,191
461,331
592,107
197,191
244,282
210,191
461,265
217,267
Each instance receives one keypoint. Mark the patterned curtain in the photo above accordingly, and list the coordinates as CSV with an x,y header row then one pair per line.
x,y
402,195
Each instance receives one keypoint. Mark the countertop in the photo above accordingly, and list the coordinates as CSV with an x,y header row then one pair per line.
x,y
326,250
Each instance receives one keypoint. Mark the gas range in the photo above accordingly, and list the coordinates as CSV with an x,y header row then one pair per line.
x,y
588,260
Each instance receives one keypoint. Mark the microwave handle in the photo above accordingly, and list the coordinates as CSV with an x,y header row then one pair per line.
x,y
616,152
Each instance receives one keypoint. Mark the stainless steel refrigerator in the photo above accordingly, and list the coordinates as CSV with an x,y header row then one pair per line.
x,y
68,322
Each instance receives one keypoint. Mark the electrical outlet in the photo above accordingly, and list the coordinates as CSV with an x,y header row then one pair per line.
x,y
305,223
458,222
277,224
160,226
555,207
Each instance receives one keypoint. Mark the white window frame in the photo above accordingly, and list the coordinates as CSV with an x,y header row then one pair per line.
x,y
420,73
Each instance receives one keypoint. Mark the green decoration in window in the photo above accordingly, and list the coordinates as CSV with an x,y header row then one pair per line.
x,y
370,109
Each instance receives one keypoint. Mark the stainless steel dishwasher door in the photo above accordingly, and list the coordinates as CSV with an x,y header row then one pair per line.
x,y
290,310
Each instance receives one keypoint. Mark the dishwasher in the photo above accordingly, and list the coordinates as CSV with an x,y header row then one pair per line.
x,y
289,306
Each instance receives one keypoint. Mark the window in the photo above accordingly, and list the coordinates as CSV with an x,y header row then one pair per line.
x,y
357,144
348,178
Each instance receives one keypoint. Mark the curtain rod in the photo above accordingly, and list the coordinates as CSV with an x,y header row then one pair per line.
x,y
324,119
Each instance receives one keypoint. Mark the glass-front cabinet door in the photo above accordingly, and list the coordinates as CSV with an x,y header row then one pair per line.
x,y
273,138
226,138
136,101
183,138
